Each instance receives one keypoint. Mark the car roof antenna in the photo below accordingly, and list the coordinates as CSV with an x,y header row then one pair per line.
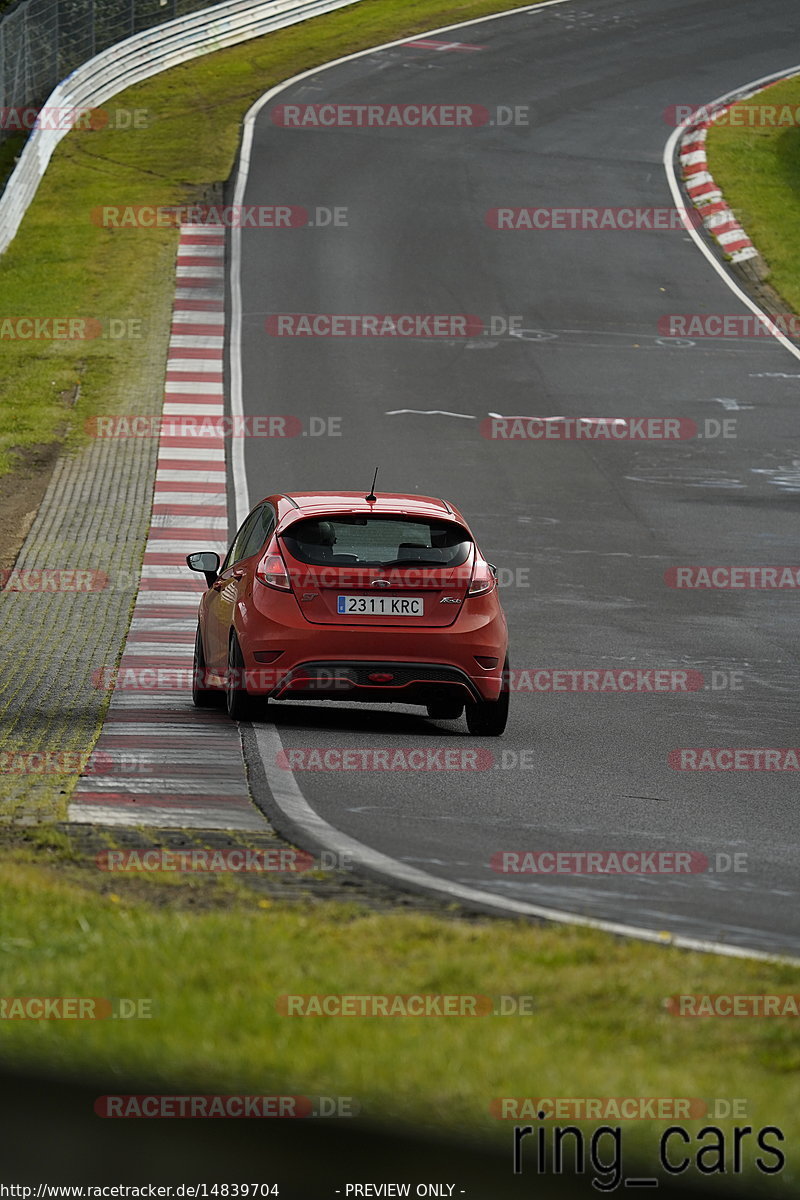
x,y
372,497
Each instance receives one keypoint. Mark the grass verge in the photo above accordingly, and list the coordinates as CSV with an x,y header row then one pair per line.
x,y
213,958
758,169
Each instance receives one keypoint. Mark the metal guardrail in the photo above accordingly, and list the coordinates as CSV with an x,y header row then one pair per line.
x,y
135,59
42,41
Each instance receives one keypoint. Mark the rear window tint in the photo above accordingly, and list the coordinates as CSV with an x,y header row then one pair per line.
x,y
378,542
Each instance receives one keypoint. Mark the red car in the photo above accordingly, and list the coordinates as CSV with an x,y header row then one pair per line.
x,y
341,596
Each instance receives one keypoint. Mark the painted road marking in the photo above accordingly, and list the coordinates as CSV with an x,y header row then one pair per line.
x,y
178,767
430,44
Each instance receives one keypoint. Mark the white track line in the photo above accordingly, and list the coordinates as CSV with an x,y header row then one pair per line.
x,y
291,801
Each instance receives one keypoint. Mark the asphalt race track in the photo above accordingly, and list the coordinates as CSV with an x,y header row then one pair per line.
x,y
584,530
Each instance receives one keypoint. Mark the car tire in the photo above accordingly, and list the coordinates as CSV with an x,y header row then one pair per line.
x,y
487,718
202,697
445,710
240,704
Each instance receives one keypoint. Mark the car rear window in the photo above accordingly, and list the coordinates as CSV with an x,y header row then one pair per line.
x,y
378,542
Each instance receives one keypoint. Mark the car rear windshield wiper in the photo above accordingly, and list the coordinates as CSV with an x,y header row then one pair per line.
x,y
415,562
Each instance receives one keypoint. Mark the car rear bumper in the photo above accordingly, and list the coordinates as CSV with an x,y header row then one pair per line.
x,y
377,682
424,665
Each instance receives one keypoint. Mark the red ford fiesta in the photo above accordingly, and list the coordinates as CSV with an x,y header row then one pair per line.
x,y
341,596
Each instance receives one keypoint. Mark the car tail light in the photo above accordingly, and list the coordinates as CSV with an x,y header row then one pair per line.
x,y
482,579
271,571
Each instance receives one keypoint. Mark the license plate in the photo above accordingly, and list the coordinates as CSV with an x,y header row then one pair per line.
x,y
380,606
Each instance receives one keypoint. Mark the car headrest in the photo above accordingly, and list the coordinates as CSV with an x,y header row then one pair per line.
x,y
318,533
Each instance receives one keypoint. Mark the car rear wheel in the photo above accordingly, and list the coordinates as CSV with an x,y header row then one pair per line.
x,y
202,697
445,710
240,704
487,718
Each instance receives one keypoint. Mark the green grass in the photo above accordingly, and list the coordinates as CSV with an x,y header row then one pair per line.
x,y
61,264
758,170
599,1026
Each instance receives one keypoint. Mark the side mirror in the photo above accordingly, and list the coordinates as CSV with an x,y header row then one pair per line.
x,y
205,561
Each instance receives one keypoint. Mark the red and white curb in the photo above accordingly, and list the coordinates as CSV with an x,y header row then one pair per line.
x,y
718,220
158,760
